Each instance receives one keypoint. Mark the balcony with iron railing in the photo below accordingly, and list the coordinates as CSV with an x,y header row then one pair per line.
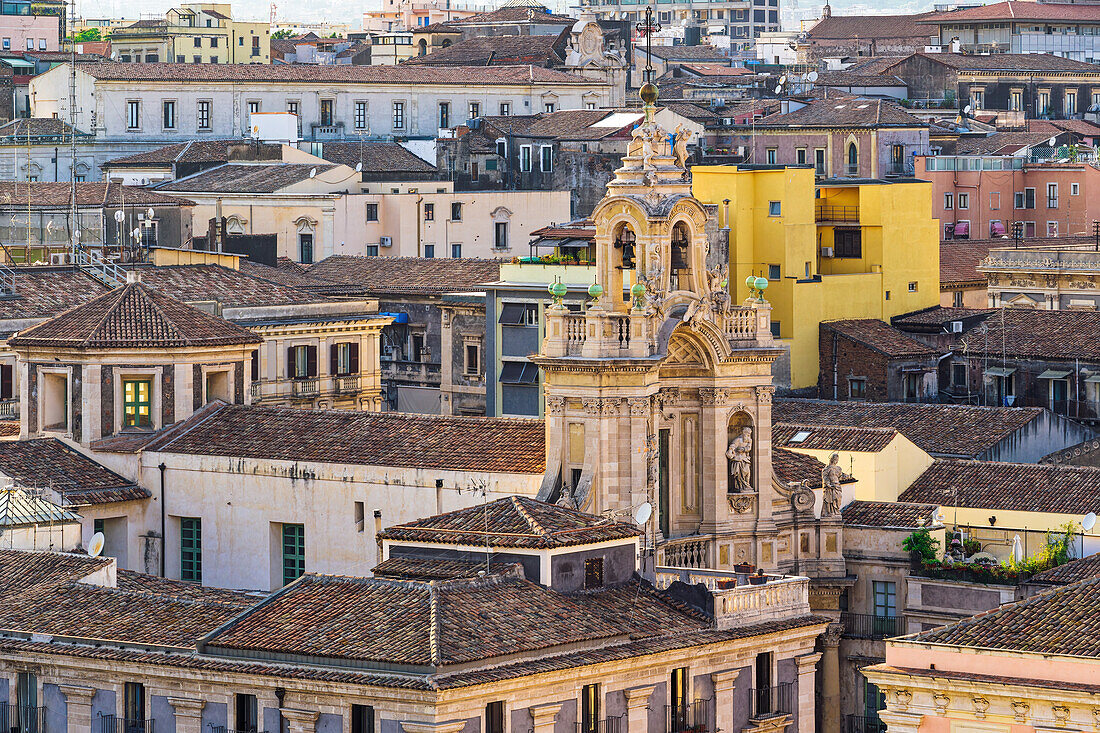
x,y
772,701
115,724
611,724
869,626
22,719
863,724
693,717
305,388
830,213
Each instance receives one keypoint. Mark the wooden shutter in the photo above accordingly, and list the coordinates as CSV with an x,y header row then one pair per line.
x,y
311,361
6,381
334,359
353,358
290,362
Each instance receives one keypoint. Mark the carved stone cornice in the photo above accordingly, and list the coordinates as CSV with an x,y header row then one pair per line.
x,y
764,393
555,405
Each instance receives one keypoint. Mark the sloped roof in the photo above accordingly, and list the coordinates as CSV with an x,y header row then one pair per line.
x,y
846,112
376,157
880,337
22,127
687,53
1071,572
413,275
49,463
939,429
832,437
248,287
794,467
514,521
133,316
1017,10
500,445
193,151
54,195
496,51
245,178
959,260
1018,62
870,27
889,514
1041,334
1025,487
513,14
999,143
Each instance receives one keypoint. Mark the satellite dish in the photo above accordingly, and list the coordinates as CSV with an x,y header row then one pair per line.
x,y
149,213
312,172
76,235
359,167
812,76
779,88
1017,549
967,109
940,517
119,216
1089,521
643,513
95,547
783,79
1052,141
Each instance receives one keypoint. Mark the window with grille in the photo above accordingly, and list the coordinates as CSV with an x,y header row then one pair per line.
x,y
593,572
360,115
133,114
885,597
191,549
204,114
399,115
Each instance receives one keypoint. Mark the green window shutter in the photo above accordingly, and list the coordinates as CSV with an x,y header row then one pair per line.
x,y
294,552
191,550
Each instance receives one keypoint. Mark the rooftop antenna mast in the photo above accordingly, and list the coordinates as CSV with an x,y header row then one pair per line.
x,y
648,92
74,225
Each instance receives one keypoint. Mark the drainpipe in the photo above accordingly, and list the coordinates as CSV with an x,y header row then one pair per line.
x,y
419,217
163,522
835,396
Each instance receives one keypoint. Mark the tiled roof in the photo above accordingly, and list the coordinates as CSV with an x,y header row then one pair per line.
x,y
248,287
848,78
688,53
954,430
880,337
335,74
37,127
715,69
847,112
1018,10
832,437
495,51
935,318
513,15
892,514
1050,127
286,272
54,195
1071,572
376,157
193,151
410,275
504,445
133,316
445,622
1013,62
48,599
245,178
514,521
49,463
1022,487
1063,621
999,143
1021,333
411,568
794,467
867,27
959,260
41,292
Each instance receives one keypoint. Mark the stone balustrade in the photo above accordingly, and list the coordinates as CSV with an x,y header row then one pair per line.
x,y
738,602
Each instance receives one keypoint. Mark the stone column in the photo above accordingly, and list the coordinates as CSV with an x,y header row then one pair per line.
x,y
900,722
300,721
637,708
807,693
188,714
78,704
724,683
543,717
830,678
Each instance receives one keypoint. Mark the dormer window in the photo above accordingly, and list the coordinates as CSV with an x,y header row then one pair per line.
x,y
625,242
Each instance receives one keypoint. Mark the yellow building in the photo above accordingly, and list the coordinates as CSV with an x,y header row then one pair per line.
x,y
194,33
840,249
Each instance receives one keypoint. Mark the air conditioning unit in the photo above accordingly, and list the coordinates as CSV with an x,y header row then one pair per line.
x,y
956,326
59,258
385,241
826,251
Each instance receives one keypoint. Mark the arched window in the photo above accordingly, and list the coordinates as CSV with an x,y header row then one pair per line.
x,y
853,159
423,47
680,255
624,242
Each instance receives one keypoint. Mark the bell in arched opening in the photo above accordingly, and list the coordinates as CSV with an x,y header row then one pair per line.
x,y
624,242
679,257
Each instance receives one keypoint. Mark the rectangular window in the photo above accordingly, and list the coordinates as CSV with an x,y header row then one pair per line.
x,y
301,362
948,201
456,211
429,212
136,403
995,201
474,111
472,365
800,156
546,158
885,597
344,359
1029,198
505,109
964,201
519,314
773,272
958,374
772,156
399,115
1074,189
1071,103
204,114
444,115
133,114
500,235
429,251
502,148
848,243
191,549
494,717
913,286
548,107
678,696
593,573
590,708
525,158
360,120
133,707
247,713
775,208
819,161
372,212
294,552
1052,195
362,719
328,112
857,389
168,119
456,250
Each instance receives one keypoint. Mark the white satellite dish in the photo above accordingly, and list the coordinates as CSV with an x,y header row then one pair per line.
x,y
783,79
643,513
967,109
940,517
312,172
1017,549
359,167
119,216
149,213
1089,521
812,76
95,547
1052,141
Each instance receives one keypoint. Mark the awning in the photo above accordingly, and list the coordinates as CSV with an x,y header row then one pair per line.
x,y
962,229
519,372
999,371
1054,374
996,229
18,63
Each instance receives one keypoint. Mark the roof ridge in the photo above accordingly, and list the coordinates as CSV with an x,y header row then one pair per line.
x,y
433,623
112,309
531,522
148,293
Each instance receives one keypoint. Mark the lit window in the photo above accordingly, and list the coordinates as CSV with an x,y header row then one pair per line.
x,y
136,403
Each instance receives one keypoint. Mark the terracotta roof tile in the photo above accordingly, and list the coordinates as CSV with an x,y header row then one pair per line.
x,y
832,437
880,337
1071,572
1023,333
245,178
889,514
503,445
794,467
882,27
847,112
376,157
496,51
21,127
1024,487
411,568
242,288
193,151
1017,10
954,430
515,521
1063,621
513,15
689,53
407,274
53,195
49,463
959,261
1013,62
133,316
934,319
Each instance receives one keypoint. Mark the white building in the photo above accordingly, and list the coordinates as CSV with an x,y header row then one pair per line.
x,y
169,102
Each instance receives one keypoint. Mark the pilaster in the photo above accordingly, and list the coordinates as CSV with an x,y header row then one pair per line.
x,y
188,714
724,683
807,693
78,704
300,721
637,708
900,722
543,717
830,682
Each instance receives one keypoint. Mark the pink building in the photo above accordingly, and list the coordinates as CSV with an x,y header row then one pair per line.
x,y
21,33
977,197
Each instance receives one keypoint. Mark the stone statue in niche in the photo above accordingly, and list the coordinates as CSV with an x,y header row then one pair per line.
x,y
739,454
831,476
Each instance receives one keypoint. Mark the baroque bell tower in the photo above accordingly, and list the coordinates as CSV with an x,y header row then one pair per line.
x,y
660,391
